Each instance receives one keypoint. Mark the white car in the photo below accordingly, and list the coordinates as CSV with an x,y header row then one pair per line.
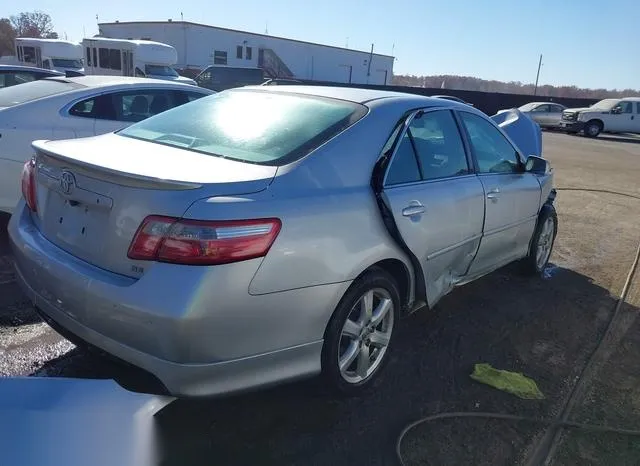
x,y
546,114
67,108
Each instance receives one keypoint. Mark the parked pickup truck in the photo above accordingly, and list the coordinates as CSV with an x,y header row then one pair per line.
x,y
608,115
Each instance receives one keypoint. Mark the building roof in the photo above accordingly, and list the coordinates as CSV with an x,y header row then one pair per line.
x,y
238,30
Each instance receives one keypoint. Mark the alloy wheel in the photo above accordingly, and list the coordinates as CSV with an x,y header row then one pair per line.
x,y
545,243
365,336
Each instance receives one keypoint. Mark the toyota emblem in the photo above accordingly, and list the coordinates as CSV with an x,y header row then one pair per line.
x,y
67,182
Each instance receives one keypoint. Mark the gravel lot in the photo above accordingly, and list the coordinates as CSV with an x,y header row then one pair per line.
x,y
545,327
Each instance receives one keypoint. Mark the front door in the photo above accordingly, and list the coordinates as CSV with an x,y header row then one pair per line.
x,y
622,118
512,196
436,200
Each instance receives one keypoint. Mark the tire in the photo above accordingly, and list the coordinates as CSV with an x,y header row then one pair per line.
x,y
592,129
344,342
537,259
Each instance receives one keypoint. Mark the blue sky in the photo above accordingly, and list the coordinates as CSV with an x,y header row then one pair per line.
x,y
587,43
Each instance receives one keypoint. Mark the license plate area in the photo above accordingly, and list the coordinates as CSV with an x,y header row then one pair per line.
x,y
79,225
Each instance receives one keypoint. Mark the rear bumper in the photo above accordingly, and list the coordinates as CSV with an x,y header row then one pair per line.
x,y
200,332
571,126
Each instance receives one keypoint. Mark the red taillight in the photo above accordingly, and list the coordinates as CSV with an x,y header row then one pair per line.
x,y
29,184
199,242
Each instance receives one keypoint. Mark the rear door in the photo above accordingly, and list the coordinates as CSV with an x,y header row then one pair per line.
x,y
436,200
555,114
512,195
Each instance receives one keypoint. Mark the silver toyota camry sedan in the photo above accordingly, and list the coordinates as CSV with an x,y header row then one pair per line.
x,y
270,233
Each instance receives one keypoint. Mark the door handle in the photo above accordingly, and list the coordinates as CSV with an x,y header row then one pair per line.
x,y
415,208
494,195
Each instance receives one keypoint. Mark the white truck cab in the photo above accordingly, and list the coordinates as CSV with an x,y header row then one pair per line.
x,y
608,115
51,54
141,58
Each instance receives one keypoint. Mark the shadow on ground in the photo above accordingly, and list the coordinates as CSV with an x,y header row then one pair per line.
x,y
531,325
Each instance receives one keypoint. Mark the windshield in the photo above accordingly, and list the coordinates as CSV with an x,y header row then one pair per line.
x,y
66,63
606,104
27,92
527,107
160,70
250,126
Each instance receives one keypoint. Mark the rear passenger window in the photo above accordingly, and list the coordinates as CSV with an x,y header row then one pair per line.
x,y
404,166
437,142
430,149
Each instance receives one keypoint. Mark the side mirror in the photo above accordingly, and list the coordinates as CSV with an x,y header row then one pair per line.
x,y
537,165
616,110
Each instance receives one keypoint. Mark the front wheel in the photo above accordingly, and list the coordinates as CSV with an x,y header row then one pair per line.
x,y
592,128
542,241
360,334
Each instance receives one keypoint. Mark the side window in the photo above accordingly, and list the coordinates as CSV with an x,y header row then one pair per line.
x,y
103,54
637,107
492,150
183,97
83,109
239,51
100,107
21,78
219,57
404,166
626,107
436,140
555,108
204,77
115,62
89,62
248,53
541,109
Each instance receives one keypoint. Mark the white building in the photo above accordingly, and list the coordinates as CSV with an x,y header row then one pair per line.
x,y
199,45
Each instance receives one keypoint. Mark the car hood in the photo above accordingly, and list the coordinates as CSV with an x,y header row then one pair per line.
x,y
522,130
580,109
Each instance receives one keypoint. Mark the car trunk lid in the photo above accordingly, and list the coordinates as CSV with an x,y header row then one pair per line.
x,y
93,193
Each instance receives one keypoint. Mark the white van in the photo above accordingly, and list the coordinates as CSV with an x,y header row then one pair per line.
x,y
141,58
51,54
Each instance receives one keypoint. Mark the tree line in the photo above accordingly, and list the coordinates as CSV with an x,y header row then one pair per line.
x,y
27,24
469,83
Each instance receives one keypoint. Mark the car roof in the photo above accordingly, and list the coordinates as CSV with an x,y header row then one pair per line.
x,y
30,68
631,99
104,81
359,95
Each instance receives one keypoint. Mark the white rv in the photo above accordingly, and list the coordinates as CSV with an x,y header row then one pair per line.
x,y
141,58
52,54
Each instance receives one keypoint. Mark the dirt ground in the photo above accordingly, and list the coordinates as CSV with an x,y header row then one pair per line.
x,y
546,327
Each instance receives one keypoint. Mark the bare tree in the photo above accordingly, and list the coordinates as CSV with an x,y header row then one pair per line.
x,y
33,24
514,87
7,34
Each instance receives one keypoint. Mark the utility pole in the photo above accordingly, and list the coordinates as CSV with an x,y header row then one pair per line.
x,y
369,64
535,89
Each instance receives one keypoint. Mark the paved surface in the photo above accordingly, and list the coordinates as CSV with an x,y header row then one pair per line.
x,y
545,327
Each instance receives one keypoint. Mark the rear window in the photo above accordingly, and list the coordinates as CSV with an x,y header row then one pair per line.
x,y
264,128
27,92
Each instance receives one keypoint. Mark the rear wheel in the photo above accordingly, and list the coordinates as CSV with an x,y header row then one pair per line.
x,y
360,334
592,128
542,241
